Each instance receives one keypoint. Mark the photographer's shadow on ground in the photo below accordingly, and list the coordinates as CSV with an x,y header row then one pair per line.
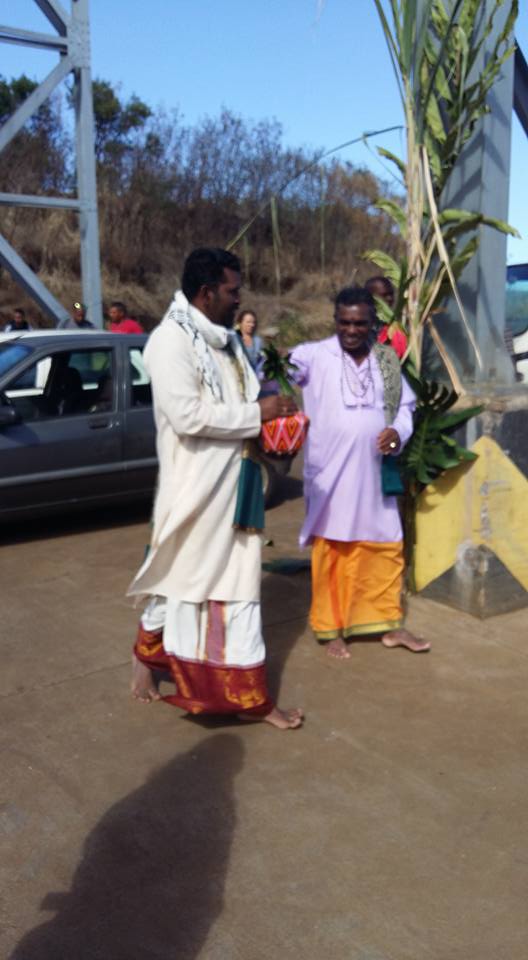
x,y
151,879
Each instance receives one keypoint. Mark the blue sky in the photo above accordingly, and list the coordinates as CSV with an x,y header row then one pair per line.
x,y
320,68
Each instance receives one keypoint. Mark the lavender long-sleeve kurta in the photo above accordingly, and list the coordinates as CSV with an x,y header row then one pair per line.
x,y
342,467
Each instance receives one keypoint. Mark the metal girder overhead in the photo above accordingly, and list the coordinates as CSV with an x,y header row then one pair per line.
x,y
29,38
27,200
55,13
72,43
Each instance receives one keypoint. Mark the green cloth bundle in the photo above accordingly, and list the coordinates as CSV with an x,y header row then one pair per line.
x,y
249,510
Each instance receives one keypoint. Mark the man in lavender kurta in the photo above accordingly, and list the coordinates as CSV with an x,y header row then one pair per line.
x,y
360,409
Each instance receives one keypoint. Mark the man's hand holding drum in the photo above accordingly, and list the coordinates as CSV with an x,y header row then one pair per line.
x,y
277,406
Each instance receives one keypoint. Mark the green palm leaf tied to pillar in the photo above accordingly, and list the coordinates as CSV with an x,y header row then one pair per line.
x,y
435,47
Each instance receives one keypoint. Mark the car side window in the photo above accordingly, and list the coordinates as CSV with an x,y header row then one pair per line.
x,y
140,389
64,383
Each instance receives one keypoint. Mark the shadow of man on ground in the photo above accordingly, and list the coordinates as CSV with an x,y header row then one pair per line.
x,y
285,606
150,882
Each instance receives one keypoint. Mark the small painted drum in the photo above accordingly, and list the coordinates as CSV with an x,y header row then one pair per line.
x,y
284,435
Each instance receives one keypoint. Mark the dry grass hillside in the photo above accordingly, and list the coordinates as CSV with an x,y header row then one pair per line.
x,y
51,246
165,188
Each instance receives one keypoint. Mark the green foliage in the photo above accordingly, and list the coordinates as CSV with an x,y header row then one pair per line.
x,y
431,451
36,159
13,93
444,79
115,120
453,93
388,264
432,448
279,368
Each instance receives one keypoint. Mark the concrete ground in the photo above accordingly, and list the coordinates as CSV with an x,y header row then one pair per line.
x,y
392,827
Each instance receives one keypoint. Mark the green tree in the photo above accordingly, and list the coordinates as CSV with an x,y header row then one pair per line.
x,y
116,122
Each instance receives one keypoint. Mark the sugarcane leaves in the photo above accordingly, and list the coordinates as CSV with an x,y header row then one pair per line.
x,y
395,212
393,41
385,262
446,71
383,311
393,158
454,83
435,124
461,221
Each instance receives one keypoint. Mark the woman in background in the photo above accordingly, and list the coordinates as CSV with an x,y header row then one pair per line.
x,y
246,327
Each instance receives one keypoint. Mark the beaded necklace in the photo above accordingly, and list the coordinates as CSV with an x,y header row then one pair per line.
x,y
359,383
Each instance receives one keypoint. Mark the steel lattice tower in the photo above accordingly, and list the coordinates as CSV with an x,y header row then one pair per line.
x,y
71,41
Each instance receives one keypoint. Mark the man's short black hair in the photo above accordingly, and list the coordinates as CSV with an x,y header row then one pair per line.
x,y
353,296
20,311
384,281
205,266
119,304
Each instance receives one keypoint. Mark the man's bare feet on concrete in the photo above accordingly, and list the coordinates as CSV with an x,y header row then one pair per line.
x,y
285,719
143,687
403,638
338,649
282,719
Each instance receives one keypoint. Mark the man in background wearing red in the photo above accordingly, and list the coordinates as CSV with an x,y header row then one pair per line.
x,y
119,322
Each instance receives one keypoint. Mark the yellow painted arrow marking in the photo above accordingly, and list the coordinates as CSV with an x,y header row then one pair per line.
x,y
482,503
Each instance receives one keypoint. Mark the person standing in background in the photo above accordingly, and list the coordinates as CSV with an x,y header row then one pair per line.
x,y
246,327
119,322
18,322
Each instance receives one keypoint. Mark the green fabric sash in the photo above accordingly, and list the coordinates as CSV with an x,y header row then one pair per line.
x,y
249,510
389,364
391,481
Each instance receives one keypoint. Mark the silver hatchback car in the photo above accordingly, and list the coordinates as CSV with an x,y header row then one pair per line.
x,y
76,423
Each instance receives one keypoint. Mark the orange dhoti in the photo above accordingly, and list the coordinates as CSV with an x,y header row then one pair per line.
x,y
356,588
202,641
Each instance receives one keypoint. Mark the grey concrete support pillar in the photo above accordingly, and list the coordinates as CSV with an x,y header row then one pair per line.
x,y
472,542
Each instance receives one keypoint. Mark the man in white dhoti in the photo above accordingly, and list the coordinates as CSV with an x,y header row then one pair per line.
x,y
202,572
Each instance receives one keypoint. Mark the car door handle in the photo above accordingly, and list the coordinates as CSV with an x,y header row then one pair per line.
x,y
99,424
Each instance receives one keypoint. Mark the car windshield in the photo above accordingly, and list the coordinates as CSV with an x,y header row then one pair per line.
x,y
11,354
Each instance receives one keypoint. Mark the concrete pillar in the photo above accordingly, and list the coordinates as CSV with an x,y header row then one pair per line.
x,y
472,525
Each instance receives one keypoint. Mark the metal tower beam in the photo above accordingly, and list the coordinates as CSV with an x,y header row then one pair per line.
x,y
27,200
73,46
30,38
56,14
520,89
29,107
86,182
23,274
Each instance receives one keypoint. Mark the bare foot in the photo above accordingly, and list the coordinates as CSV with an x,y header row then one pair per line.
x,y
338,649
143,687
283,719
403,638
